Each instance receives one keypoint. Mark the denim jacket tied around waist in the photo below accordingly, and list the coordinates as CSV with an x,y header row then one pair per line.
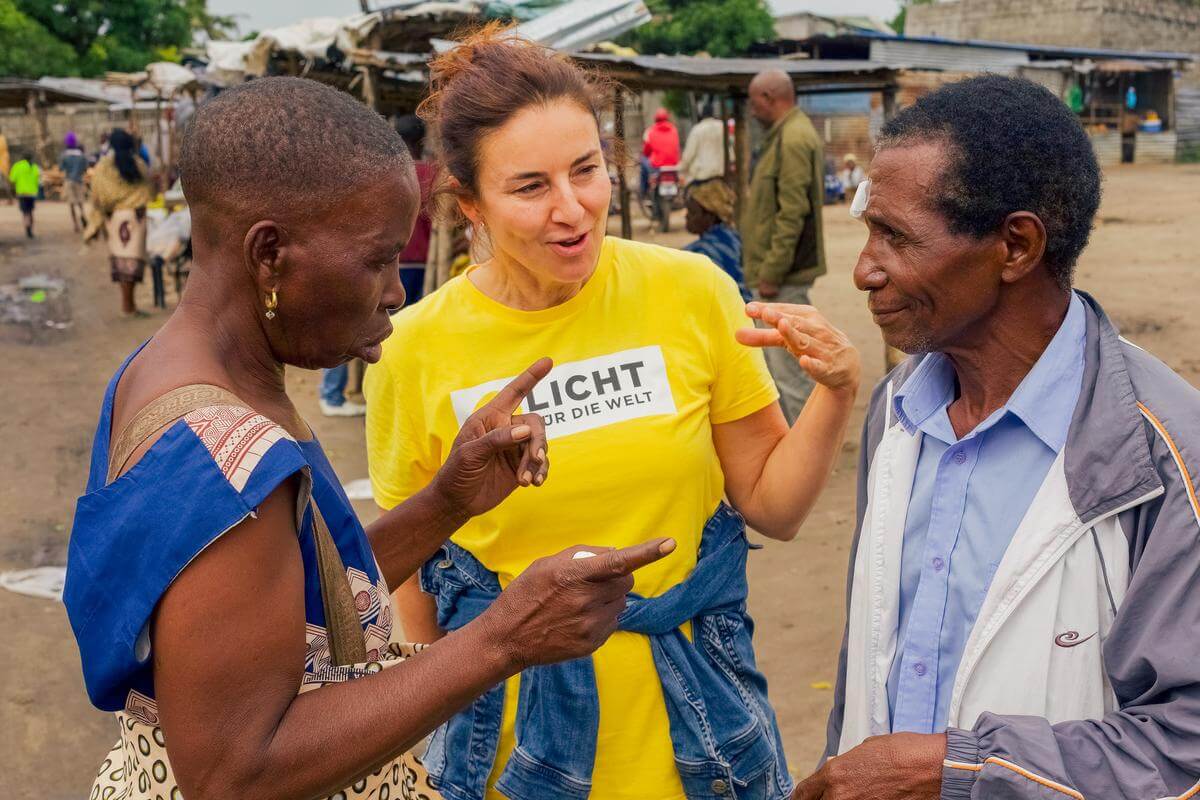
x,y
726,740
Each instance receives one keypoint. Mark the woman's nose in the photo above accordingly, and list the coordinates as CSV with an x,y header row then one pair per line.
x,y
567,209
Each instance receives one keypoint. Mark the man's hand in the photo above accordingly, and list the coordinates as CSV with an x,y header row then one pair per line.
x,y
902,766
495,452
767,290
824,352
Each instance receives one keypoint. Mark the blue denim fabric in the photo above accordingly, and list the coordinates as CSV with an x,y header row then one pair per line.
x,y
333,384
725,737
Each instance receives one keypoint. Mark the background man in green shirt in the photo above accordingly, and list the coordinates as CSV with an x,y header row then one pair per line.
x,y
25,178
783,251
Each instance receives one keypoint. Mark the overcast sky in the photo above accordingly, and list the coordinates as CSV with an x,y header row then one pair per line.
x,y
257,15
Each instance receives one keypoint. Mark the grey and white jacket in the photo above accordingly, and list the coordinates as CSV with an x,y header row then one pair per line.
x,y
1081,676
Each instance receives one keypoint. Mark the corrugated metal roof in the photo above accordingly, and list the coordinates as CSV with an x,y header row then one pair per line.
x,y
707,67
735,74
921,55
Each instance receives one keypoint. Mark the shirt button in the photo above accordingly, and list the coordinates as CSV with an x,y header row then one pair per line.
x,y
938,564
960,457
719,786
919,668
445,563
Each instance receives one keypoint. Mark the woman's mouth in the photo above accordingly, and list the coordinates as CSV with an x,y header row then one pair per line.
x,y
571,247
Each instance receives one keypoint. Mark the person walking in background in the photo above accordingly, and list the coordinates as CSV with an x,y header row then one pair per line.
x,y
660,146
783,250
704,153
74,164
25,178
120,192
710,216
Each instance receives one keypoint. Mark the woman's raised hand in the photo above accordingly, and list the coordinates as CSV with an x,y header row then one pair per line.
x,y
566,605
824,352
497,450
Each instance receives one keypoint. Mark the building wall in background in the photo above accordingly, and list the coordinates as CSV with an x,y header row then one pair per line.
x,y
1167,25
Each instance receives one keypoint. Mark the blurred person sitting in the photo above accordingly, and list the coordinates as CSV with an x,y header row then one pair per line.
x,y
710,216
851,175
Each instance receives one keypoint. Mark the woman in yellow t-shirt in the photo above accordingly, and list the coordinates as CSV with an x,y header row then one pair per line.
x,y
658,406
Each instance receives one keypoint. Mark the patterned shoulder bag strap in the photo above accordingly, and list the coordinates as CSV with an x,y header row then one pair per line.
x,y
346,642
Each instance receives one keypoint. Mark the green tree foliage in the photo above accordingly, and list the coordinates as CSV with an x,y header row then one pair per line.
x,y
898,22
103,35
721,28
27,49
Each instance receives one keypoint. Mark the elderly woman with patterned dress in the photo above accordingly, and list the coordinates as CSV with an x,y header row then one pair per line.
x,y
228,605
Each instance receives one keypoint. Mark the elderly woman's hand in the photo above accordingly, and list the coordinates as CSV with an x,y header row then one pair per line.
x,y
497,450
824,352
566,605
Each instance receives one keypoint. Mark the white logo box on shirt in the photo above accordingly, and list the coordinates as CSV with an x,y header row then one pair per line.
x,y
582,395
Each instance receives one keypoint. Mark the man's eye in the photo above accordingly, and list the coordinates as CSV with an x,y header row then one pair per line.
x,y
529,188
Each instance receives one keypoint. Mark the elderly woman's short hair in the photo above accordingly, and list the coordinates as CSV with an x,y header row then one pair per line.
x,y
1014,146
286,142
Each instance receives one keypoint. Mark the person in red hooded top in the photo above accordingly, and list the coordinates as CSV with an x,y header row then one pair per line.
x,y
660,146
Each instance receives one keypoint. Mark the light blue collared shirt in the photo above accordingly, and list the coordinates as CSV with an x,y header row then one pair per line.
x,y
968,497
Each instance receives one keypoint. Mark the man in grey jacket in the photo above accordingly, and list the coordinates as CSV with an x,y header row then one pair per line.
x,y
1024,602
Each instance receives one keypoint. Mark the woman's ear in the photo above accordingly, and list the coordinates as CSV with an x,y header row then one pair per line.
x,y
466,203
263,252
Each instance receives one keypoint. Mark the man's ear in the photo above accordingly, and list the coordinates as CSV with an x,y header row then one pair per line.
x,y
262,250
1024,238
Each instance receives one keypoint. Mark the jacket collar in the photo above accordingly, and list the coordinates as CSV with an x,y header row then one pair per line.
x,y
1107,459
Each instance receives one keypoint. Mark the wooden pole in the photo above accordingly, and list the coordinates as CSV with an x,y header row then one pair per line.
x,y
158,134
726,164
622,185
741,138
37,109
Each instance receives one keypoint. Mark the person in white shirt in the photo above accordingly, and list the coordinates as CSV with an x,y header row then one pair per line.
x,y
703,155
851,175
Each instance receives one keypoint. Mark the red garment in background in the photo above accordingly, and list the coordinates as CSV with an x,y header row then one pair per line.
x,y
661,144
418,246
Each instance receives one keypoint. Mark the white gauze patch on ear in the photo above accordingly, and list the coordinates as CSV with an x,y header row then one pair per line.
x,y
862,196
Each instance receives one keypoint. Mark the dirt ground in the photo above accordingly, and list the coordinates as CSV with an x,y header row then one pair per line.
x,y
1140,265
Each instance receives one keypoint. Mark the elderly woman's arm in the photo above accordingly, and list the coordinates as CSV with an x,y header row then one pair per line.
x,y
773,474
494,453
229,647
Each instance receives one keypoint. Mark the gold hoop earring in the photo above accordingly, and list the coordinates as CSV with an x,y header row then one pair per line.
x,y
272,303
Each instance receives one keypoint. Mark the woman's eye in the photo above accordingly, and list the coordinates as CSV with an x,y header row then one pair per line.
x,y
588,170
529,188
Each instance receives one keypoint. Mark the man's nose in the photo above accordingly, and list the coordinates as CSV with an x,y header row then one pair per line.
x,y
868,274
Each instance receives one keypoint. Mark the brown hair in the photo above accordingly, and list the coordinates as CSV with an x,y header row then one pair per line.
x,y
485,80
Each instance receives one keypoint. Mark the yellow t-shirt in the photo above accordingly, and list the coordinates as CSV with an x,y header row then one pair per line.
x,y
645,363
